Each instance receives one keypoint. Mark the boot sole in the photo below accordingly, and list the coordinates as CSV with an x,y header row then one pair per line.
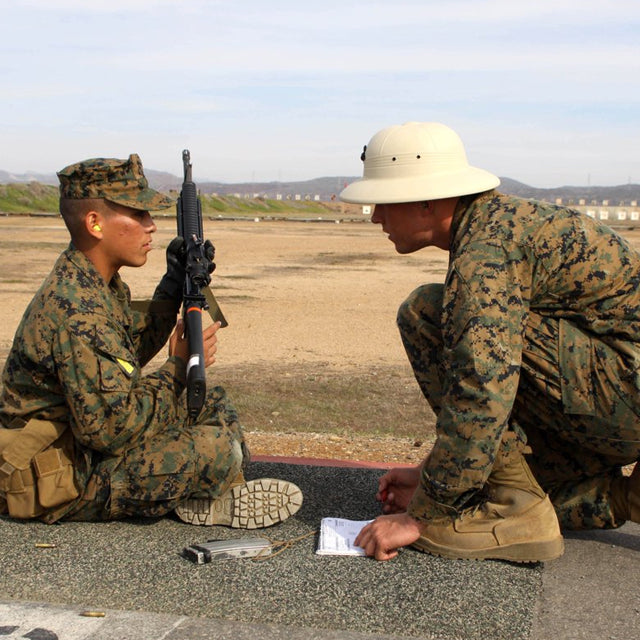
x,y
254,504
525,552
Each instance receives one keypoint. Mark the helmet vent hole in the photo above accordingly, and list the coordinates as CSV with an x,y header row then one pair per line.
x,y
418,157
393,159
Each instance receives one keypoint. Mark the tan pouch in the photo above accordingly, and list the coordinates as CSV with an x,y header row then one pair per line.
x,y
36,468
21,494
55,479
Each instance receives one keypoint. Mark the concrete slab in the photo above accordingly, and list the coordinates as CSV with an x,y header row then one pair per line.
x,y
133,571
593,591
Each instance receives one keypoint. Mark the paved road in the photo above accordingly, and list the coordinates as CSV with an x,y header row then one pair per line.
x,y
133,572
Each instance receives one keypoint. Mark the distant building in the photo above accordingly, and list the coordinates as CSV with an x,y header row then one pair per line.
x,y
620,214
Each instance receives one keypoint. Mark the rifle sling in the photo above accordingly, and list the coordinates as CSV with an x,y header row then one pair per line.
x,y
168,306
214,308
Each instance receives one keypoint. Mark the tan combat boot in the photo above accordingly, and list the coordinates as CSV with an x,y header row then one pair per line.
x,y
625,496
246,504
517,522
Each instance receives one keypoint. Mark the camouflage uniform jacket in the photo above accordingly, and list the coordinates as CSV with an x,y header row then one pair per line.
x,y
81,346
509,257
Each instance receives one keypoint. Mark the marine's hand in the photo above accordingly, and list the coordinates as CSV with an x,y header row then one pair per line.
x,y
177,258
172,284
179,345
210,340
209,254
385,535
396,487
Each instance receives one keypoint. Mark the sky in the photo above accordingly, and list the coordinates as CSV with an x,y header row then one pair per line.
x,y
543,92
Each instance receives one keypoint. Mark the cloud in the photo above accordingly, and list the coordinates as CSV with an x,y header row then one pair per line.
x,y
303,85
99,6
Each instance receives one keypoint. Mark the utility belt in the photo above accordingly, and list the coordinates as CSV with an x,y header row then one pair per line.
x,y
36,468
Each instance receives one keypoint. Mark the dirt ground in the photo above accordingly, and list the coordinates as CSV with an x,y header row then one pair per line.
x,y
311,356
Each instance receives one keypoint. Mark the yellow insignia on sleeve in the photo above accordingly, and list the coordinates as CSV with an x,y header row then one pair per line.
x,y
126,366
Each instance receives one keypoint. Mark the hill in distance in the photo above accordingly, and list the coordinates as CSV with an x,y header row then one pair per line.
x,y
328,188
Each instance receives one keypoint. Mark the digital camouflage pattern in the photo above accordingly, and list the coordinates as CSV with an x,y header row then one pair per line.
x,y
119,181
80,345
534,338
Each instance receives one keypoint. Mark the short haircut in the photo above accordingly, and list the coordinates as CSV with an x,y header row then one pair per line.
x,y
73,211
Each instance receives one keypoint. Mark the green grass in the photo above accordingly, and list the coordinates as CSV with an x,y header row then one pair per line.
x,y
265,207
32,197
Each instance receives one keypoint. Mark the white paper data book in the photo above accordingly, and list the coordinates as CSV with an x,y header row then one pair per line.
x,y
337,536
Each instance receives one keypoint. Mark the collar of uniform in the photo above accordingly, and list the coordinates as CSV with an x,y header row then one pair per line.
x,y
116,288
464,207
87,267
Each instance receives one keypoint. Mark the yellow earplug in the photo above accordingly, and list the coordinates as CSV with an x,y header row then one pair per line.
x,y
97,227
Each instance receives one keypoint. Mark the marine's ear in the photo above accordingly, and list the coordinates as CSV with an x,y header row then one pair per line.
x,y
93,224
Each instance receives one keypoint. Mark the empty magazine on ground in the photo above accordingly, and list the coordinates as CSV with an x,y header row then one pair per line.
x,y
227,549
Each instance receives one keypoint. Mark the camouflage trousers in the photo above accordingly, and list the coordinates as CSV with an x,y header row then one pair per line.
x,y
152,478
574,456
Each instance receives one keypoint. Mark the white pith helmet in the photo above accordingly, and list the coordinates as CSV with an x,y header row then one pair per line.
x,y
414,162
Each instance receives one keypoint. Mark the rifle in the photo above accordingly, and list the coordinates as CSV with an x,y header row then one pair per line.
x,y
197,279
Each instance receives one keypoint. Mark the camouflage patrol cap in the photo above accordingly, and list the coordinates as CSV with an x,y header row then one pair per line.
x,y
115,180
